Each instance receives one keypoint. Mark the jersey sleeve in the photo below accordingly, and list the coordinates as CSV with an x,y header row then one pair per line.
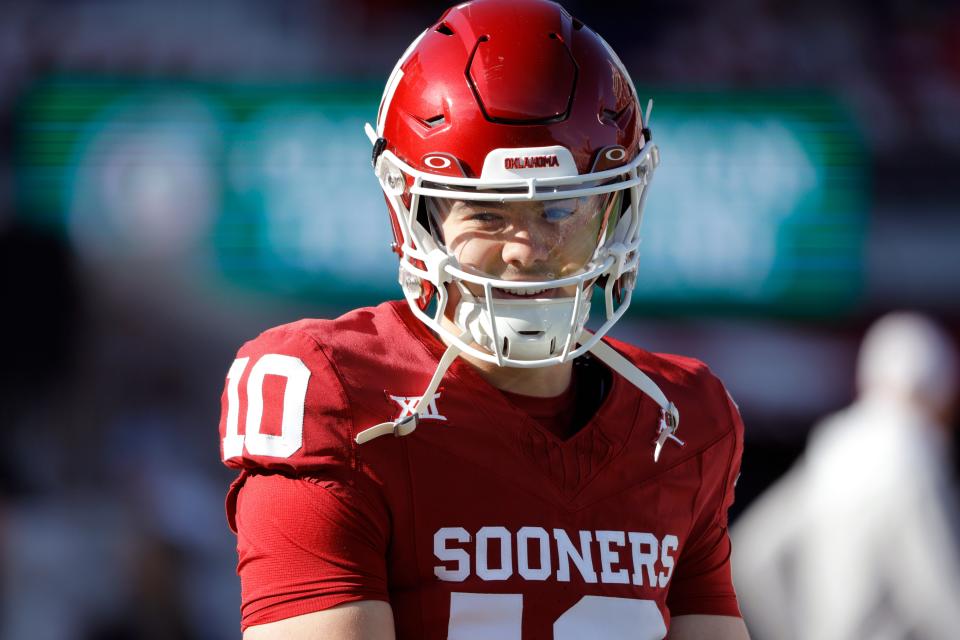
x,y
312,527
702,583
306,544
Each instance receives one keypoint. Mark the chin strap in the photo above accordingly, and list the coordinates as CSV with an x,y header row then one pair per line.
x,y
669,416
405,426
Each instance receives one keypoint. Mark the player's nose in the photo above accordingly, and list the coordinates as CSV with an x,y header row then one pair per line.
x,y
526,248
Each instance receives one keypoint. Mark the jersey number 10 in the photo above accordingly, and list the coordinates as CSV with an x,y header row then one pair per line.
x,y
294,397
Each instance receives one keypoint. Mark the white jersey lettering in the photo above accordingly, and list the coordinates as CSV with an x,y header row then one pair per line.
x,y
670,543
505,563
524,537
445,554
609,558
644,559
604,556
566,552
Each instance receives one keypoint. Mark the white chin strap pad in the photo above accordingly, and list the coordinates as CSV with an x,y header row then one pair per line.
x,y
521,329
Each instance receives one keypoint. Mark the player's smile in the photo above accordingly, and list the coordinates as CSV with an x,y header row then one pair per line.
x,y
522,294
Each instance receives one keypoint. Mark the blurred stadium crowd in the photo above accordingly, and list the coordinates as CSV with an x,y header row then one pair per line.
x,y
111,516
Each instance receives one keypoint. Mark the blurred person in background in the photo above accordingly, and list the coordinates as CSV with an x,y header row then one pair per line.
x,y
860,541
514,157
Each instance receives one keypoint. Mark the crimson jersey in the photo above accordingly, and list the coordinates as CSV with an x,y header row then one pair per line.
x,y
481,523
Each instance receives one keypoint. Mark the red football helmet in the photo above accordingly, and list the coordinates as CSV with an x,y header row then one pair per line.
x,y
506,101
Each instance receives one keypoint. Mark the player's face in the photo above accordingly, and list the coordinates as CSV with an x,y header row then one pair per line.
x,y
538,240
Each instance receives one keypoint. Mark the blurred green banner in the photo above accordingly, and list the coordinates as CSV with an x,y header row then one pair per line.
x,y
759,206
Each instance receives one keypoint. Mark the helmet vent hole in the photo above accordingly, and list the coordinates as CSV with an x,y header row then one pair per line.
x,y
553,346
554,36
445,29
530,333
435,121
610,114
506,347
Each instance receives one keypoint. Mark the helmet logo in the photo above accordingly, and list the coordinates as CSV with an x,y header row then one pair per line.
x,y
609,158
615,154
437,162
531,162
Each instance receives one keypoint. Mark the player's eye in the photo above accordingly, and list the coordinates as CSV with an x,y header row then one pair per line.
x,y
484,217
558,214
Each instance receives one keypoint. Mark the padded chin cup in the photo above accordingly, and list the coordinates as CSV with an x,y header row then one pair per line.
x,y
522,329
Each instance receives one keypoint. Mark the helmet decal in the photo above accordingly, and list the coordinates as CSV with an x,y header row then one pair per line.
x,y
435,161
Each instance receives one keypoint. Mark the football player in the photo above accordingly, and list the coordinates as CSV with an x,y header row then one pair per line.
x,y
473,462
